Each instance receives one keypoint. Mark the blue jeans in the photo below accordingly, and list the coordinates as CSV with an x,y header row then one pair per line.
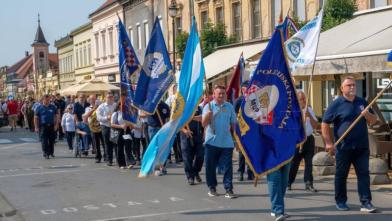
x,y
277,184
360,159
223,157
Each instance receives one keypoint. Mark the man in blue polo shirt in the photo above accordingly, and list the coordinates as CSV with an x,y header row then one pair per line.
x,y
46,124
218,119
354,148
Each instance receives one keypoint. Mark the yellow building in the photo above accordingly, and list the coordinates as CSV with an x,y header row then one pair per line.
x,y
65,50
84,67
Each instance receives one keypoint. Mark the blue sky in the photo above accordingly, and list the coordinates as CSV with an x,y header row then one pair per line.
x,y
18,22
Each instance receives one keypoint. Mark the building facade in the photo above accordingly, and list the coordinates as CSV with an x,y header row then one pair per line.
x,y
104,45
65,51
82,53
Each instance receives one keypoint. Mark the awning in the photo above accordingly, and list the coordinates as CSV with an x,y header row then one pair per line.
x,y
356,46
224,59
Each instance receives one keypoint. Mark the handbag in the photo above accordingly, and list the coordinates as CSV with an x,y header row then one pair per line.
x,y
114,135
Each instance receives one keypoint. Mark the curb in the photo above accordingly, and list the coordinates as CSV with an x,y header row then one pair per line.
x,y
7,211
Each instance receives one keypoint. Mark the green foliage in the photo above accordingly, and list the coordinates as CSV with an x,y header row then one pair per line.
x,y
299,23
213,36
181,40
337,12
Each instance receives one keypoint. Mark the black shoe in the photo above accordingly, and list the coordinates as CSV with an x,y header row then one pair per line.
x,y
109,164
251,178
368,207
289,187
198,178
191,181
98,161
240,177
310,188
212,192
52,155
46,156
230,195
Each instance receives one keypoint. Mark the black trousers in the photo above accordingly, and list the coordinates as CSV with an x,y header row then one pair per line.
x,y
47,136
307,154
108,143
137,144
241,166
193,156
70,135
97,141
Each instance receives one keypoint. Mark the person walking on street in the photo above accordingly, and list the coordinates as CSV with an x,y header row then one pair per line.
x,y
46,124
218,120
191,138
90,116
307,150
60,105
12,107
104,116
68,126
354,148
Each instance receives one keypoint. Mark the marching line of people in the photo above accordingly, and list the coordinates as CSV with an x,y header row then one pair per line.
x,y
206,139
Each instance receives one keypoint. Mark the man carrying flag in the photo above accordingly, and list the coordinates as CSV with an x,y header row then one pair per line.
x,y
270,122
156,75
190,90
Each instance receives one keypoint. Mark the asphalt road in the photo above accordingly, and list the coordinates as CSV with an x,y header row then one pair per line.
x,y
67,188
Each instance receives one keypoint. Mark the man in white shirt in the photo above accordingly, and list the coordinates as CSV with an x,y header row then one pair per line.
x,y
307,150
104,114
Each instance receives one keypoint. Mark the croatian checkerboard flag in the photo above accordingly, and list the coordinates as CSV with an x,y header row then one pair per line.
x,y
302,47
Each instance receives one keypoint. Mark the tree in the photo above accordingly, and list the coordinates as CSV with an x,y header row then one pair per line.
x,y
213,36
181,40
337,12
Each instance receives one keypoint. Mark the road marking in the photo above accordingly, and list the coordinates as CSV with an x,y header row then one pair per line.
x,y
45,173
28,139
158,214
11,146
5,141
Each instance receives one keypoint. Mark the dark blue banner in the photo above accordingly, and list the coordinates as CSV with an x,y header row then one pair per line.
x,y
129,72
156,75
270,122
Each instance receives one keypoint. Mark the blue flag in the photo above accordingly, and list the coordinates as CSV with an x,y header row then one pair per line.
x,y
190,90
390,58
129,71
270,123
156,75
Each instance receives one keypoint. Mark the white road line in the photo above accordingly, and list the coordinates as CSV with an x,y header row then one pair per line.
x,y
45,173
159,214
28,139
5,141
12,146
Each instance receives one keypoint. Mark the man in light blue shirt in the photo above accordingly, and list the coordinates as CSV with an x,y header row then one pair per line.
x,y
218,119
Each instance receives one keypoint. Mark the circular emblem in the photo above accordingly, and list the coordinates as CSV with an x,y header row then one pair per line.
x,y
154,65
294,48
178,106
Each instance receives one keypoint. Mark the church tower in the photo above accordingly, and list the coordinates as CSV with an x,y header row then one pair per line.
x,y
40,52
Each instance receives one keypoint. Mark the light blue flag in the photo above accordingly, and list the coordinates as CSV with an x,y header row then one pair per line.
x,y
190,90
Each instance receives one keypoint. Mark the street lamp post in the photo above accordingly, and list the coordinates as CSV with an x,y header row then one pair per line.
x,y
173,13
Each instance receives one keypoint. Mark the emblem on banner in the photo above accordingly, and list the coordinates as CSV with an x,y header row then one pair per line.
x,y
294,48
260,103
154,65
178,106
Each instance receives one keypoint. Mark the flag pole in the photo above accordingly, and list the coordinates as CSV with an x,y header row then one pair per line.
x,y
311,75
360,116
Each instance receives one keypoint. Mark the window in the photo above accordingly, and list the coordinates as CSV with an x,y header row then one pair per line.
x,y
219,15
204,19
237,21
275,12
178,22
130,33
103,44
85,55
111,41
378,3
146,34
256,17
71,61
300,9
77,57
81,57
96,48
41,54
139,37
89,54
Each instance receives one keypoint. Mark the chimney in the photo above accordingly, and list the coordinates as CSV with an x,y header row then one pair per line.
x,y
26,53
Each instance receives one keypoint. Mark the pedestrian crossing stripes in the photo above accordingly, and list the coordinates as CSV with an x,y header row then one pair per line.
x,y
18,140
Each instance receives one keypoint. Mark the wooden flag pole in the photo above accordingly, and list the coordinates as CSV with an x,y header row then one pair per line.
x,y
360,116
